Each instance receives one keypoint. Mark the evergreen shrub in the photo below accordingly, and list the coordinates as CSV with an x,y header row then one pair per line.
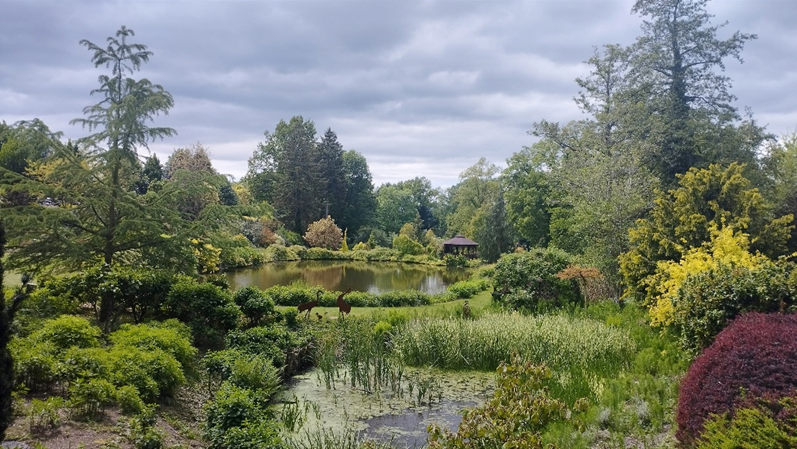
x,y
207,309
154,372
402,298
148,338
528,280
467,289
380,254
270,341
140,291
291,318
291,295
256,306
239,252
68,331
233,417
279,253
355,299
754,356
320,254
707,301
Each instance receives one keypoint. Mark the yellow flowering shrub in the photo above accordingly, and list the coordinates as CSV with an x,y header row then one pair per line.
x,y
726,247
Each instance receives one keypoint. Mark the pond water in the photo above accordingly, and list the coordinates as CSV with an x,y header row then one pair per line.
x,y
373,277
384,416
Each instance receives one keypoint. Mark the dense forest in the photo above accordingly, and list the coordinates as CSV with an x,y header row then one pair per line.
x,y
663,191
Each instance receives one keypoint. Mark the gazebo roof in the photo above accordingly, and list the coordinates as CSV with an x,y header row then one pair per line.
x,y
460,240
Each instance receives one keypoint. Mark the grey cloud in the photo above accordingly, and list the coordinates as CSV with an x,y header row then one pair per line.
x,y
421,88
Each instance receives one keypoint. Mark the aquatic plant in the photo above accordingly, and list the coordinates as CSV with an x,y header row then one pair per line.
x,y
580,351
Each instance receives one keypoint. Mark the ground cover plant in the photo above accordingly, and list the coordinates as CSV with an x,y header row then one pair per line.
x,y
756,422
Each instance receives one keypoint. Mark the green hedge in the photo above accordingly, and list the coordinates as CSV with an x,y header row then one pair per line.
x,y
280,253
294,295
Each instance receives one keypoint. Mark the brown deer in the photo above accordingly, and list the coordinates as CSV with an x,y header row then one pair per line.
x,y
308,306
343,307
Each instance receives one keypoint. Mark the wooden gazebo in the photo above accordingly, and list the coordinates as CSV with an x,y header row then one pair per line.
x,y
460,245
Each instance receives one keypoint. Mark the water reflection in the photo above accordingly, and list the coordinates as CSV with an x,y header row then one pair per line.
x,y
374,277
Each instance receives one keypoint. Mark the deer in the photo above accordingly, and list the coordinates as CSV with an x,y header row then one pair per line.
x,y
308,306
343,307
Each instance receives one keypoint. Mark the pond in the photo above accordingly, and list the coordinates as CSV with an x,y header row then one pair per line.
x,y
373,277
383,416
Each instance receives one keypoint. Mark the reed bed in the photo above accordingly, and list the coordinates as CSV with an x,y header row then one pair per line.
x,y
352,351
581,352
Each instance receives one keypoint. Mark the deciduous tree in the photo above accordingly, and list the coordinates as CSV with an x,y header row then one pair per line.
x,y
324,233
195,158
360,204
394,208
477,189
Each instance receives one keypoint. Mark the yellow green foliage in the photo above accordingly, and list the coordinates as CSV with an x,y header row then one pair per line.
x,y
685,219
769,424
727,247
406,245
361,246
344,246
207,256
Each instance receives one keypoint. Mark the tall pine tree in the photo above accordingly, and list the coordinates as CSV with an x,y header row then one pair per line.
x,y
330,157
285,171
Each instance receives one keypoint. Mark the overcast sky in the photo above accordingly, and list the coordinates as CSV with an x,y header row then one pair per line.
x,y
420,88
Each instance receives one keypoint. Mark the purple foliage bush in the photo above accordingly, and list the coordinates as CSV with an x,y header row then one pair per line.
x,y
755,356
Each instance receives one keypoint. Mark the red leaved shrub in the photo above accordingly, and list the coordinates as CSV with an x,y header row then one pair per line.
x,y
755,356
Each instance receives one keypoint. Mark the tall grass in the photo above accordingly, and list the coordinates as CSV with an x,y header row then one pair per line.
x,y
353,350
582,352
358,353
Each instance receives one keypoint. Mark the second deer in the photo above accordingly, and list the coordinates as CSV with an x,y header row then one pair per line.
x,y
343,307
308,306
